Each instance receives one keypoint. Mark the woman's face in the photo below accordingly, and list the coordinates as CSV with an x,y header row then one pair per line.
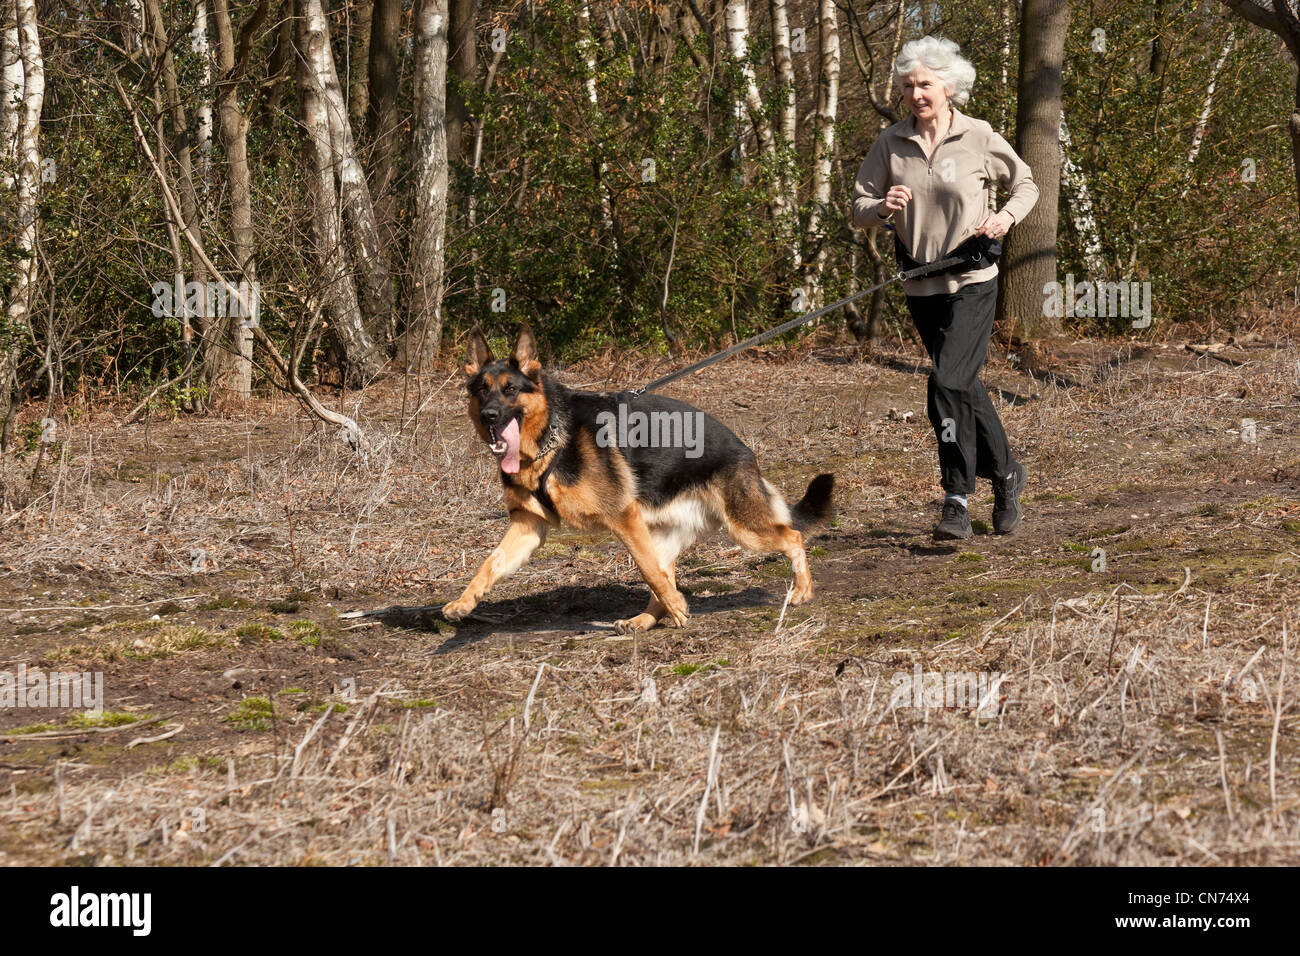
x,y
925,93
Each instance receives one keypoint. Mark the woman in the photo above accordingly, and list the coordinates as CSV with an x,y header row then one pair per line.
x,y
932,175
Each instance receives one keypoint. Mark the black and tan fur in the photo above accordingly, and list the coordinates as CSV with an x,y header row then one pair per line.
x,y
657,501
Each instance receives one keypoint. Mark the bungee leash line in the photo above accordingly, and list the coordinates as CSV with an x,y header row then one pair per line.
x,y
917,273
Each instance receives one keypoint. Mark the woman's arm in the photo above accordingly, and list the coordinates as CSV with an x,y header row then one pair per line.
x,y
869,192
1014,176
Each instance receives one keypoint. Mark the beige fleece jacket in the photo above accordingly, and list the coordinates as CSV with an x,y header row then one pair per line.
x,y
952,191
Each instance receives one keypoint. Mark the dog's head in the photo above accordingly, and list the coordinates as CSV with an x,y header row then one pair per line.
x,y
507,403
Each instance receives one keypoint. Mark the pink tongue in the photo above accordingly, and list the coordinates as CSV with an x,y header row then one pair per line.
x,y
510,435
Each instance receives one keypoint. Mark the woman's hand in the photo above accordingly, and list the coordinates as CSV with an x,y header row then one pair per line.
x,y
995,226
895,199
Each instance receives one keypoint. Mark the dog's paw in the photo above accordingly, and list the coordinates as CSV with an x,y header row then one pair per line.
x,y
678,613
801,596
458,609
642,622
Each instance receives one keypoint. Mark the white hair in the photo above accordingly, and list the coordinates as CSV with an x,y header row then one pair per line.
x,y
944,58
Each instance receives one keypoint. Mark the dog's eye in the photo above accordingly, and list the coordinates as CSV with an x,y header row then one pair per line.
x,y
509,390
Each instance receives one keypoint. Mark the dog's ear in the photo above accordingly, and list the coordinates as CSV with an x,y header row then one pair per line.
x,y
524,357
478,353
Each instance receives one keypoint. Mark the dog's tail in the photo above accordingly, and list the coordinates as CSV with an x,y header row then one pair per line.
x,y
815,505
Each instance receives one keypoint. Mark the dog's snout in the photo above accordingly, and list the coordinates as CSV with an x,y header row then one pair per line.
x,y
490,415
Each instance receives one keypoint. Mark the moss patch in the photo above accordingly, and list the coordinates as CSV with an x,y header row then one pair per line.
x,y
252,713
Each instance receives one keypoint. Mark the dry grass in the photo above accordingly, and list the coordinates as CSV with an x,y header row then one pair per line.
x,y
1146,713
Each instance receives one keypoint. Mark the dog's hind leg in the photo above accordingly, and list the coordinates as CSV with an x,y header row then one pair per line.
x,y
757,518
525,533
630,527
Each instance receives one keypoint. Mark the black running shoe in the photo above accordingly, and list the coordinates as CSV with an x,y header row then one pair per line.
x,y
955,523
1006,500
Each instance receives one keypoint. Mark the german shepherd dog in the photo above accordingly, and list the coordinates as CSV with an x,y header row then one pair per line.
x,y
568,456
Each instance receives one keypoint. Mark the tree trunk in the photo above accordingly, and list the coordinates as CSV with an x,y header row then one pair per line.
x,y
1030,260
1005,59
203,112
203,186
359,66
382,122
689,29
463,64
1203,121
214,359
424,332
587,47
374,280
134,42
747,97
476,163
1295,133
748,101
360,358
234,143
828,98
1159,52
11,88
1078,200
787,199
23,82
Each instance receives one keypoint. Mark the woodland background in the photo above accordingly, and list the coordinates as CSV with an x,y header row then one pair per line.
x,y
663,176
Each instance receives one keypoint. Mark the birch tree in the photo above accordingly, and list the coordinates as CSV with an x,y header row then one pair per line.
x,y
203,112
29,159
1074,182
11,88
1203,120
786,199
371,260
362,359
25,101
424,332
748,114
877,84
349,431
747,100
11,100
828,96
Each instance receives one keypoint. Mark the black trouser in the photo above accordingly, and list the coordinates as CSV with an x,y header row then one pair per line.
x,y
955,328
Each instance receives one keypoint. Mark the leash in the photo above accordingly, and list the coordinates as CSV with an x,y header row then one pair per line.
x,y
552,437
749,343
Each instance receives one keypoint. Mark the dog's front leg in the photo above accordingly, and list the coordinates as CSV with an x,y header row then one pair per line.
x,y
525,533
